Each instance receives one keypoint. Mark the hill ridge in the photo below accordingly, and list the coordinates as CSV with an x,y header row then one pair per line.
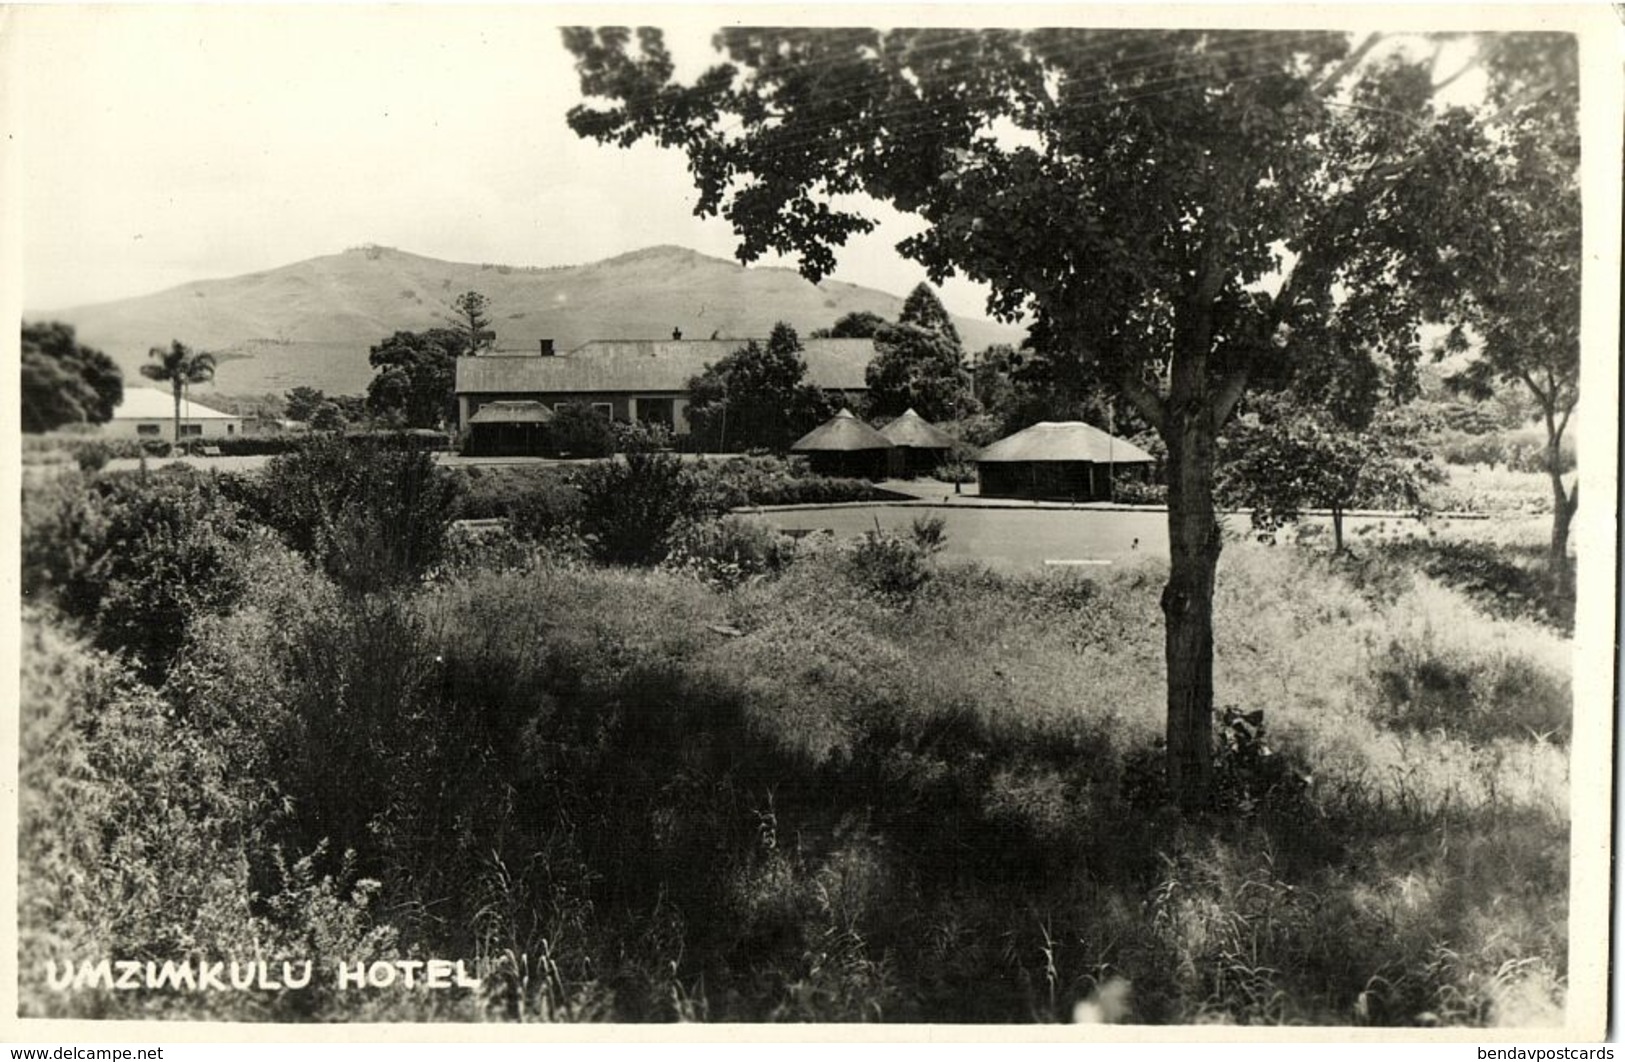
x,y
313,322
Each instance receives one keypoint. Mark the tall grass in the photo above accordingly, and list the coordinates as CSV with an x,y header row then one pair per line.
x,y
820,793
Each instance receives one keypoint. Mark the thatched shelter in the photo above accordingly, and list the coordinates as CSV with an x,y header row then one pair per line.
x,y
1058,460
923,445
508,428
845,446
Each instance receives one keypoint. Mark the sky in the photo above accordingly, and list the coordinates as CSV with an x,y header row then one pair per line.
x,y
162,145
159,145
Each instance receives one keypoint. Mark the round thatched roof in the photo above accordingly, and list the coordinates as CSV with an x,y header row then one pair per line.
x,y
841,433
915,431
1066,440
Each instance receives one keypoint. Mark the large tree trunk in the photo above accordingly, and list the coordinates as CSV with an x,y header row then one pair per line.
x,y
1193,544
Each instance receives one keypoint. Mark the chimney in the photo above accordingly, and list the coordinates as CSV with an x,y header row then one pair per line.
x,y
547,347
677,333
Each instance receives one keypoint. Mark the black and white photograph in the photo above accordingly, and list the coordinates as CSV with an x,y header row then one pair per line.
x,y
792,518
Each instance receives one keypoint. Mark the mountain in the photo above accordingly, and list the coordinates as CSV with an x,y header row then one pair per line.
x,y
311,323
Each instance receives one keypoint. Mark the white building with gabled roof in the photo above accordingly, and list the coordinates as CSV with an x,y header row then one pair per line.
x,y
146,413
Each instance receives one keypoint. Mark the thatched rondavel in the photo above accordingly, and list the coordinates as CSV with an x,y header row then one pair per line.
x,y
922,445
1058,460
845,446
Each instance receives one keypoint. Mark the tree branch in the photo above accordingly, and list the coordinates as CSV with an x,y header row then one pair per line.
x,y
1346,67
1150,405
1229,393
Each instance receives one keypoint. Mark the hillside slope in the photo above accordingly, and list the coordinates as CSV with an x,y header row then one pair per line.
x,y
311,323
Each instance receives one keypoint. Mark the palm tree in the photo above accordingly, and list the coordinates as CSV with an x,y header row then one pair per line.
x,y
180,367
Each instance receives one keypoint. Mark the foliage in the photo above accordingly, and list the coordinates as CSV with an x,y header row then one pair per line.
x,y
728,550
1156,179
93,456
301,403
892,565
134,557
415,376
1133,490
473,322
920,364
920,813
1522,296
180,367
579,430
64,381
955,470
1284,457
371,515
859,324
756,396
629,505
767,480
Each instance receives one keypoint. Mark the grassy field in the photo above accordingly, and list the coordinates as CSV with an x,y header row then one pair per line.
x,y
870,783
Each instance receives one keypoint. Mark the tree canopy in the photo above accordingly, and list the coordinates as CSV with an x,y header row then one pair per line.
x,y
416,377
757,396
180,367
65,382
1284,457
920,364
473,322
1522,298
1186,210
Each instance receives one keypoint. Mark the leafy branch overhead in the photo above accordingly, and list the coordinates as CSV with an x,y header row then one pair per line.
x,y
1191,212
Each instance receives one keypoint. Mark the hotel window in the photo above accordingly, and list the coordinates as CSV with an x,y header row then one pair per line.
x,y
147,429
191,429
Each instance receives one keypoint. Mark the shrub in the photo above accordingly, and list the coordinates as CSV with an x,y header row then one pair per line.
x,y
578,430
728,551
630,505
770,480
956,470
929,533
891,565
1132,490
136,557
93,457
137,833
370,515
533,499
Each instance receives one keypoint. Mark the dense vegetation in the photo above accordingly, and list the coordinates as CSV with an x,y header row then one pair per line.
x,y
760,779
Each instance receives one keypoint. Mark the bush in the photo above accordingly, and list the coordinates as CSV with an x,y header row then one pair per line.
x,y
532,499
728,551
136,557
371,515
891,565
137,834
578,430
93,457
630,505
1132,490
258,445
769,480
956,470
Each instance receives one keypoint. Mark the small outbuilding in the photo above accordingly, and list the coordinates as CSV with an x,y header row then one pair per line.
x,y
508,428
922,446
845,446
1058,461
